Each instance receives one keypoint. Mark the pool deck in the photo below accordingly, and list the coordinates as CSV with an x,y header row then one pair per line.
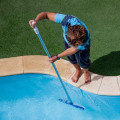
x,y
102,85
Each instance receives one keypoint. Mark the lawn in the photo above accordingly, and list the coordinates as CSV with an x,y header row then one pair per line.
x,y
101,17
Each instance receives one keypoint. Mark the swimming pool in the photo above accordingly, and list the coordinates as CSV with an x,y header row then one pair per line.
x,y
35,97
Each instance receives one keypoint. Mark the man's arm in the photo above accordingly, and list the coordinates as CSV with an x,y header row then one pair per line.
x,y
67,52
41,16
45,15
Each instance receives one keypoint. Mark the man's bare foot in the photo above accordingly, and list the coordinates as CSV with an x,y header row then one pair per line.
x,y
76,76
87,76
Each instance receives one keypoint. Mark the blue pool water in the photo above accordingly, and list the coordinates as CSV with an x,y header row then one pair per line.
x,y
35,97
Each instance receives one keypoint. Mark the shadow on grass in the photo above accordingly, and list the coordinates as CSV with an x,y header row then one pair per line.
x,y
108,65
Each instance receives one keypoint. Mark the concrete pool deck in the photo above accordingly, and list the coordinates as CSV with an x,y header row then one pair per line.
x,y
102,85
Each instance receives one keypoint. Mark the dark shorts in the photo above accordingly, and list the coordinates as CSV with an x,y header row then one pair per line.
x,y
81,57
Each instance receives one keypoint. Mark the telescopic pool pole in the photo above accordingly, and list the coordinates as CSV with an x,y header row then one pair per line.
x,y
69,101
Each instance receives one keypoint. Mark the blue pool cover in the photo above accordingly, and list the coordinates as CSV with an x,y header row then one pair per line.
x,y
35,97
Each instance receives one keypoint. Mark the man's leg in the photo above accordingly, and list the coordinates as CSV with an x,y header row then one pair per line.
x,y
77,74
83,60
73,61
87,76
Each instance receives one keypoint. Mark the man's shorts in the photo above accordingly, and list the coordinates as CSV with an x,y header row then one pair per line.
x,y
81,57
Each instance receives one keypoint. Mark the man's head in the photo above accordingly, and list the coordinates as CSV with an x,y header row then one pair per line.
x,y
76,35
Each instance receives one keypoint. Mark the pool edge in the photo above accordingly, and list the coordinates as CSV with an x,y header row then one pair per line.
x,y
102,85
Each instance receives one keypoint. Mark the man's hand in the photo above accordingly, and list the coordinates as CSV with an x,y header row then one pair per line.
x,y
42,16
32,23
52,59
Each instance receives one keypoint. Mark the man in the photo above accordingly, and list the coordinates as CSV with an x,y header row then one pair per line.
x,y
77,42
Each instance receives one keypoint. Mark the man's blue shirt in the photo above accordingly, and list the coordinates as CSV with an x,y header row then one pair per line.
x,y
70,20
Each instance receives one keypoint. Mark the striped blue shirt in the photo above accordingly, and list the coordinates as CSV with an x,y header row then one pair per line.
x,y
70,20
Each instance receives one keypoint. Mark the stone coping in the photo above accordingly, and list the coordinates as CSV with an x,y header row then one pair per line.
x,y
102,85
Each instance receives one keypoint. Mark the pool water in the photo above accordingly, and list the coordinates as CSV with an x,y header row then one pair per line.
x,y
35,97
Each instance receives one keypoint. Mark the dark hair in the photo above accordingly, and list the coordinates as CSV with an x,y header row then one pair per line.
x,y
76,35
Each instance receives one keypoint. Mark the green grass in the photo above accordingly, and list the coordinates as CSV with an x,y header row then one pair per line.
x,y
101,17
